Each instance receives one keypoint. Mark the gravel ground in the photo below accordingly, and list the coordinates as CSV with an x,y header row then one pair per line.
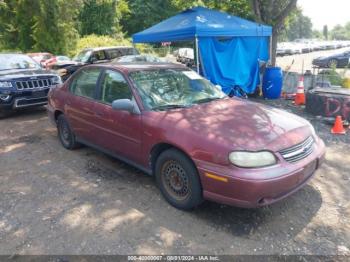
x,y
54,201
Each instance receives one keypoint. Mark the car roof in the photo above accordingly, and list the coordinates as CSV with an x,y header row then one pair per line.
x,y
127,67
41,53
137,66
107,48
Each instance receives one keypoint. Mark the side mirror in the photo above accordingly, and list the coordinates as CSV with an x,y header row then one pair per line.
x,y
123,105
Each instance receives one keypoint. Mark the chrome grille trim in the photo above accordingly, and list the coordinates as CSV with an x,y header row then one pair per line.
x,y
31,84
299,151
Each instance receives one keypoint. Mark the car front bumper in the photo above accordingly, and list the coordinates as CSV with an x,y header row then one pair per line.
x,y
23,99
285,179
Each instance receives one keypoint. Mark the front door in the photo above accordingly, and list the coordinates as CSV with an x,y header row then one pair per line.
x,y
80,104
121,130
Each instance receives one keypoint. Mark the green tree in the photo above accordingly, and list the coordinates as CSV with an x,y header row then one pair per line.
x,y
141,14
145,13
325,32
273,13
8,24
98,17
122,11
317,34
54,29
299,26
26,11
46,31
68,23
239,8
340,33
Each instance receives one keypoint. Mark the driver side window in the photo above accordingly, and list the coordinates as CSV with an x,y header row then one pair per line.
x,y
84,83
99,55
114,87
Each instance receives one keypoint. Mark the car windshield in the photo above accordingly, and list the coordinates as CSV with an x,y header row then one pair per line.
x,y
83,56
163,89
14,61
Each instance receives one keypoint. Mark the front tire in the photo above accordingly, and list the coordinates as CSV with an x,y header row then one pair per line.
x,y
4,114
178,180
65,133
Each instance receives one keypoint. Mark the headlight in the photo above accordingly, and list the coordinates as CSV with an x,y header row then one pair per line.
x,y
5,84
252,159
56,80
313,132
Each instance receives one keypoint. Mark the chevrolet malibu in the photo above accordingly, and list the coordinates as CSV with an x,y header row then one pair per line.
x,y
197,142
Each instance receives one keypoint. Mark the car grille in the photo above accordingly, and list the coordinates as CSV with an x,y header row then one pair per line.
x,y
26,102
298,152
31,84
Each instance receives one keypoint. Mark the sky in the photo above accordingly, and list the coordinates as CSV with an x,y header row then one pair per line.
x,y
326,12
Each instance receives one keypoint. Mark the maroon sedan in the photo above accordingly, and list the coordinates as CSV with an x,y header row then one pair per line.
x,y
200,144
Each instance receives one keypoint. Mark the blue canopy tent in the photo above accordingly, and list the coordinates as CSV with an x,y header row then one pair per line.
x,y
229,47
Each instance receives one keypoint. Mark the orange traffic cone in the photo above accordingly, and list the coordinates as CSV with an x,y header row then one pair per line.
x,y
338,127
300,95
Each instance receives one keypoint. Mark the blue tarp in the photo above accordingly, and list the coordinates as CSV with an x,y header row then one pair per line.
x,y
200,22
233,62
227,63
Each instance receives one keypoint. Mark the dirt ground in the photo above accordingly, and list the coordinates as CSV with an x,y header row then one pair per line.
x,y
55,201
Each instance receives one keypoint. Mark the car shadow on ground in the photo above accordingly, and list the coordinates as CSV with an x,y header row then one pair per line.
x,y
285,218
290,215
28,112
84,196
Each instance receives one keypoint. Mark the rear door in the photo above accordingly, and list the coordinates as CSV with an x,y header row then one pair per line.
x,y
80,104
120,131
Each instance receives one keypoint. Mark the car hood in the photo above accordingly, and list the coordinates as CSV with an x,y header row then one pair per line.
x,y
22,73
238,124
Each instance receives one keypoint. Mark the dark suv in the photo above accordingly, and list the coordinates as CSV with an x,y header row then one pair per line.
x,y
95,56
23,83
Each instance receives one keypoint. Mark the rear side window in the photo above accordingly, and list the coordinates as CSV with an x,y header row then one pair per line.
x,y
114,86
84,84
118,52
114,53
99,55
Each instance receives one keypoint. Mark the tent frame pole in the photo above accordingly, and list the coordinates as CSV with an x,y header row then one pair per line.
x,y
270,50
197,54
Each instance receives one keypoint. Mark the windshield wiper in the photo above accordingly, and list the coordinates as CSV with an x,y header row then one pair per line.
x,y
169,106
205,100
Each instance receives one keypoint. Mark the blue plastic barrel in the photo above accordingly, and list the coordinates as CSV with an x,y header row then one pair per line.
x,y
272,83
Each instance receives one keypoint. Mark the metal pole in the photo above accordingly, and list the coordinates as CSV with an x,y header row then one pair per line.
x,y
197,55
270,50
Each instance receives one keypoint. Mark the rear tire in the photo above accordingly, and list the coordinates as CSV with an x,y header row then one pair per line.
x,y
178,180
4,114
65,133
